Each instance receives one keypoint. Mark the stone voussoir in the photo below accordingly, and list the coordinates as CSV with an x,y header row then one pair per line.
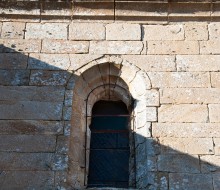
x,y
13,30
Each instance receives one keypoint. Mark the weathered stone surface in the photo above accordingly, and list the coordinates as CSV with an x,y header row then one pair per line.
x,y
178,163
60,162
48,62
214,110
13,30
190,181
210,163
214,30
152,97
189,95
186,130
155,180
32,93
46,31
172,47
198,62
14,77
27,143
210,47
19,45
62,145
31,110
152,62
27,180
217,146
163,32
216,180
67,113
61,179
49,78
183,113
186,145
123,31
179,79
64,46
13,61
143,132
87,31
196,31
116,47
215,78
68,97
16,127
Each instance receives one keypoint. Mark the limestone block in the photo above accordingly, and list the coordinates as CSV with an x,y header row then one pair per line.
x,y
48,62
20,45
16,127
116,47
210,47
152,97
46,31
183,113
153,62
172,47
123,31
68,97
64,46
216,180
179,79
189,95
198,130
67,126
198,62
87,31
62,145
217,146
51,78
27,180
214,110
186,145
178,163
14,77
27,143
13,30
196,31
60,162
215,78
190,181
13,61
143,132
210,163
214,31
60,179
163,32
31,110
67,113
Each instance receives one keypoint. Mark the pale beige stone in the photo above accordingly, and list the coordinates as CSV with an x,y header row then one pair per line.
x,y
210,47
179,79
183,113
198,62
215,79
189,95
186,145
46,31
186,130
152,97
64,46
163,32
116,47
13,30
123,31
217,146
214,30
196,31
152,62
214,110
210,163
86,31
172,47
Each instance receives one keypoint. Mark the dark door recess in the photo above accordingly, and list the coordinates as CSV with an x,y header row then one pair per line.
x,y
109,147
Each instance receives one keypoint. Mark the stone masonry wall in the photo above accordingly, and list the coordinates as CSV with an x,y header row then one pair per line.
x,y
39,61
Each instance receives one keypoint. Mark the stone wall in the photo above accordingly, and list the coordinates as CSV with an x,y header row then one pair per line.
x,y
171,69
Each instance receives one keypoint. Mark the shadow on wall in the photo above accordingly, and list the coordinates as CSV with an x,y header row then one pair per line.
x,y
35,128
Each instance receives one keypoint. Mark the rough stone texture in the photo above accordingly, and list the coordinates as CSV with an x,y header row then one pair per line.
x,y
217,146
214,31
115,47
94,31
214,110
196,31
215,78
190,181
123,32
179,79
160,32
172,47
46,31
198,62
183,113
64,46
210,163
62,145
210,47
13,30
216,181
